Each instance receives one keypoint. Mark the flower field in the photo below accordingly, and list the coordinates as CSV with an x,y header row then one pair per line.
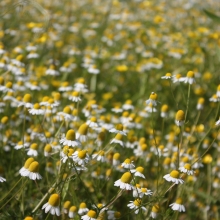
x,y
109,110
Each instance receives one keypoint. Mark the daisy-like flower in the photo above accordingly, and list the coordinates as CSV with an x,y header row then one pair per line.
x,y
92,123
65,87
24,170
177,206
52,71
66,206
155,211
138,172
117,109
152,99
33,171
189,78
177,78
113,215
80,86
80,157
214,98
164,111
116,160
33,150
82,208
91,215
52,205
36,110
75,96
72,212
93,69
48,150
128,105
173,177
187,169
26,101
128,164
66,153
118,129
118,140
200,104
66,114
139,191
136,205
70,139
124,181
180,118
167,76
99,156
20,145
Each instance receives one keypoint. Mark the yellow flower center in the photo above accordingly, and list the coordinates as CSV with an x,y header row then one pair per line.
x,y
201,101
179,201
66,205
93,119
82,205
83,129
127,161
91,214
54,200
119,127
164,108
187,166
180,115
137,202
4,120
153,96
155,208
116,156
101,153
118,136
117,215
175,174
28,218
70,135
73,209
140,169
48,148
190,74
82,154
75,93
36,106
28,162
168,74
27,98
71,151
34,167
81,80
33,146
67,110
9,85
143,147
66,149
126,177
144,190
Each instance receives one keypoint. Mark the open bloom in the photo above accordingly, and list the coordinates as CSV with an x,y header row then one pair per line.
x,y
177,206
128,164
138,172
91,215
82,208
33,171
52,205
173,177
81,157
189,78
24,170
154,211
136,205
187,169
152,99
124,182
180,117
70,139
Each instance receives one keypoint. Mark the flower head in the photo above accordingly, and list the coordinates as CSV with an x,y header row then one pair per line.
x,y
70,139
52,205
152,99
173,177
177,206
124,182
180,117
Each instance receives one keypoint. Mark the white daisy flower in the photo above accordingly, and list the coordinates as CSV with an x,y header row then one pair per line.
x,y
33,171
177,206
52,205
82,209
138,172
152,99
136,205
187,169
70,139
173,177
80,157
124,181
91,215
128,164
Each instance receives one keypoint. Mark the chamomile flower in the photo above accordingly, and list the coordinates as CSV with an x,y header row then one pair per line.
x,y
177,78
167,76
164,111
189,78
24,170
80,157
82,208
65,114
173,177
152,99
187,169
138,172
80,86
33,150
118,140
200,104
99,156
118,129
91,215
33,171
81,134
26,101
70,139
36,110
155,211
128,105
21,145
52,71
116,160
66,206
177,206
65,87
136,205
214,98
128,164
72,212
52,205
180,118
124,181
75,96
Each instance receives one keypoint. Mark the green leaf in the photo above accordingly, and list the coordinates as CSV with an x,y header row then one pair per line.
x,y
214,17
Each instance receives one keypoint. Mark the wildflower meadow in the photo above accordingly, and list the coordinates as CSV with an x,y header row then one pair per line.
x,y
109,109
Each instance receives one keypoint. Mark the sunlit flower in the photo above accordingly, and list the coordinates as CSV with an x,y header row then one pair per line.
x,y
70,139
173,177
152,99
2,179
214,98
33,171
177,206
26,101
124,181
80,86
128,164
91,215
136,205
82,209
138,172
33,150
139,191
66,206
180,118
187,169
118,129
164,111
21,145
167,76
116,160
154,211
128,105
52,71
189,78
118,140
80,157
177,78
36,110
99,156
72,212
52,205
24,170
75,96
200,104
